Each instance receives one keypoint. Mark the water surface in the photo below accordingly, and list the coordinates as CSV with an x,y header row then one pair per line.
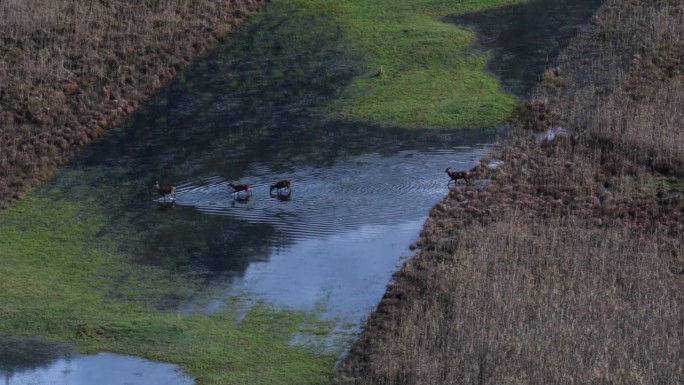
x,y
246,114
37,361
101,369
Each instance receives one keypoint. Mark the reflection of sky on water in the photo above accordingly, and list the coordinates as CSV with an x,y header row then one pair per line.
x,y
102,369
343,275
348,225
368,189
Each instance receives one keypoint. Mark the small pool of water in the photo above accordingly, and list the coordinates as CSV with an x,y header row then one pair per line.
x,y
35,361
101,369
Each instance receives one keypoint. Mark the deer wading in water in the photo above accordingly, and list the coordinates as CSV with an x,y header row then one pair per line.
x,y
238,188
165,190
280,186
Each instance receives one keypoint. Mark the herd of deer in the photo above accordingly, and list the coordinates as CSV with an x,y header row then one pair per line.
x,y
283,186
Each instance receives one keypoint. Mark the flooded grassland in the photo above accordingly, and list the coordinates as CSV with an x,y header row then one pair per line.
x,y
92,259
264,290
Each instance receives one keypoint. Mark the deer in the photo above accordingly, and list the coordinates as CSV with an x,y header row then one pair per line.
x,y
238,188
456,175
281,185
165,189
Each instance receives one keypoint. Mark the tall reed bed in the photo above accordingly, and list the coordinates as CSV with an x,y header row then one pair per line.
x,y
623,83
516,303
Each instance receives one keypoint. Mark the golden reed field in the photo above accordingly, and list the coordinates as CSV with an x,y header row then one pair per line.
x,y
564,264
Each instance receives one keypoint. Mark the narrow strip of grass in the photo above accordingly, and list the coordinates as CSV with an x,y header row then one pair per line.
x,y
57,275
421,72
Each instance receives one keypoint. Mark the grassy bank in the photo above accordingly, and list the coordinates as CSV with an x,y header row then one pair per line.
x,y
59,276
419,71
565,264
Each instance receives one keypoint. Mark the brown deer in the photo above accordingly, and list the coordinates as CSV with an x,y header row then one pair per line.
x,y
238,188
281,185
456,175
165,189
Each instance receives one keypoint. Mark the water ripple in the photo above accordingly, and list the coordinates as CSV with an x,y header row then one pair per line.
x,y
370,189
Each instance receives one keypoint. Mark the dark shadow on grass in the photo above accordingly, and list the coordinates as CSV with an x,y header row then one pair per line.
x,y
524,39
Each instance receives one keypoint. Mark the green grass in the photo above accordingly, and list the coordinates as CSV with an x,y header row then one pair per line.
x,y
430,76
57,277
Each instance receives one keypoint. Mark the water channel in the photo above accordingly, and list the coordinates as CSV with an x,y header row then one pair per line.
x,y
360,192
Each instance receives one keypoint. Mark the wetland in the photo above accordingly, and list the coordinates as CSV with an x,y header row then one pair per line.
x,y
288,281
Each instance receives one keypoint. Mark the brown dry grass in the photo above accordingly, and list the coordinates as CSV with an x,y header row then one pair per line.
x,y
566,265
69,69
626,82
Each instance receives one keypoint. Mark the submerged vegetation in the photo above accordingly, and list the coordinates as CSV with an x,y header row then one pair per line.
x,y
565,262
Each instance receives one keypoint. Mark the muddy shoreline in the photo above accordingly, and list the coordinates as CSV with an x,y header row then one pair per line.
x,y
73,77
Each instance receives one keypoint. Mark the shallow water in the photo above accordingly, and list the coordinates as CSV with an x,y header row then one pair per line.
x,y
36,361
360,192
101,369
351,181
341,233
